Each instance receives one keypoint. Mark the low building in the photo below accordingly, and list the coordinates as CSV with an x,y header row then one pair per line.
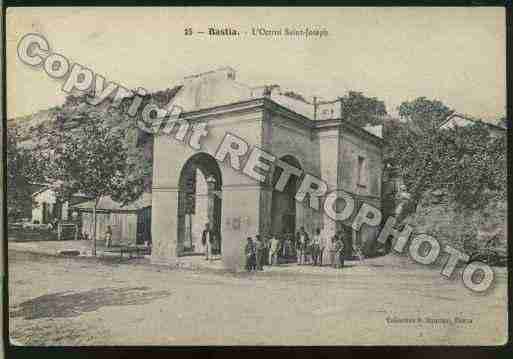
x,y
47,207
130,224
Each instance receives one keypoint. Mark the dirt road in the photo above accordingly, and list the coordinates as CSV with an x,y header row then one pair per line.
x,y
78,301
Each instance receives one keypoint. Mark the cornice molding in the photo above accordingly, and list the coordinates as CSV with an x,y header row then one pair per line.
x,y
261,104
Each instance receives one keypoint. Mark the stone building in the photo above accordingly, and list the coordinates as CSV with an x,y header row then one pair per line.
x,y
309,136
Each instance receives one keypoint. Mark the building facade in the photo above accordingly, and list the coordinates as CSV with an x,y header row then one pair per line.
x,y
308,136
130,224
47,207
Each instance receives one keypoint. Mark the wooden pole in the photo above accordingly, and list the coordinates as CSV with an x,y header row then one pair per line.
x,y
94,227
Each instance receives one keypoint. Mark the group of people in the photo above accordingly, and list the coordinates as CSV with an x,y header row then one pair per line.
x,y
316,251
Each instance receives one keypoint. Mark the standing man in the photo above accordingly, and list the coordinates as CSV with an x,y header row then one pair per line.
x,y
207,239
217,238
304,243
293,248
299,251
273,251
260,251
348,245
340,249
316,246
325,246
333,251
267,250
286,246
108,237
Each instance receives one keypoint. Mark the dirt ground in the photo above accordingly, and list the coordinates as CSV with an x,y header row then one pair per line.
x,y
87,301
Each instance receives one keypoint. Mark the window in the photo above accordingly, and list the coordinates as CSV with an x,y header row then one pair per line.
x,y
362,172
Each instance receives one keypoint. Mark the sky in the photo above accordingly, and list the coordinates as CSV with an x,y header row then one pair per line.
x,y
456,55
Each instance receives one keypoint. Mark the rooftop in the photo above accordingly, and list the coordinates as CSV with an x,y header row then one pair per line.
x,y
107,203
220,87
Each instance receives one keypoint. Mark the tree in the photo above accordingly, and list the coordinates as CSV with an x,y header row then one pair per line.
x,y
473,165
22,171
361,110
466,162
295,95
413,147
423,115
87,152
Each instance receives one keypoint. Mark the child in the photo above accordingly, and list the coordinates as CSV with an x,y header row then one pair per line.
x,y
250,255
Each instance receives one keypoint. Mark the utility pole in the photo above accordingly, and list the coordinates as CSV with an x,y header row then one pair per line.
x,y
315,107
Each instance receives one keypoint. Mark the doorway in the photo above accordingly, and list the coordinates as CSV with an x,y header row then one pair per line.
x,y
199,202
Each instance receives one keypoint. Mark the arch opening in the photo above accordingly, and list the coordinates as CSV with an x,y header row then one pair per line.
x,y
199,202
283,207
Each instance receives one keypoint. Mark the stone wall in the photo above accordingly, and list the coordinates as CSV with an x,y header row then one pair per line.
x,y
368,188
291,138
329,152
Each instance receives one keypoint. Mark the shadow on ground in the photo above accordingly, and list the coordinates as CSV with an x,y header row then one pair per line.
x,y
72,304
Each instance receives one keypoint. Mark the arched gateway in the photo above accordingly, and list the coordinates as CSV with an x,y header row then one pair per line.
x,y
199,202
